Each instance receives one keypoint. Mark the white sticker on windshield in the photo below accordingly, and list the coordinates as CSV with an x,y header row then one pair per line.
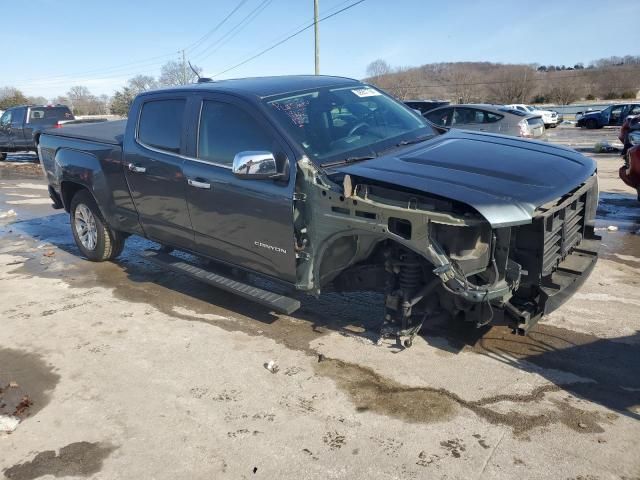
x,y
366,92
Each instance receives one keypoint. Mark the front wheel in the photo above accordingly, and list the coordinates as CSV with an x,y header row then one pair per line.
x,y
591,124
95,239
3,156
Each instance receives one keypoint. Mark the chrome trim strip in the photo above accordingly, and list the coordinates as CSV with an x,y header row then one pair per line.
x,y
183,157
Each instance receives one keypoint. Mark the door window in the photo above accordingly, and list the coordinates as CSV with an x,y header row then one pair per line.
x,y
490,117
635,110
17,117
463,116
615,114
160,124
5,119
440,117
226,130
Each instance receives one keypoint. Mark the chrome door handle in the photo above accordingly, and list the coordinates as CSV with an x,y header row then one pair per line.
x,y
198,184
136,168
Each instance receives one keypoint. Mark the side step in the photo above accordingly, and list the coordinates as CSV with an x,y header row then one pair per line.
x,y
277,302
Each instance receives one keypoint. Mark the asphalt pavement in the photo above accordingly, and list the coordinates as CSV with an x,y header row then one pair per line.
x,y
122,370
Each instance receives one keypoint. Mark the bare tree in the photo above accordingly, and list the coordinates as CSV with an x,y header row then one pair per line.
x,y
463,83
142,83
84,103
513,85
378,68
172,73
38,100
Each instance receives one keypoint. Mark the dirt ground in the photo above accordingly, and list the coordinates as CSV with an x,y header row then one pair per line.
x,y
122,370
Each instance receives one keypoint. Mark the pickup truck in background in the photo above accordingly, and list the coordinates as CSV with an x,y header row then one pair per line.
x,y
314,182
20,127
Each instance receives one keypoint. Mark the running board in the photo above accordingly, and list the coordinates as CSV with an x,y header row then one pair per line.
x,y
277,302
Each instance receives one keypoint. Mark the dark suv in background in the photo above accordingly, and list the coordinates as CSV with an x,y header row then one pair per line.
x,y
613,115
20,127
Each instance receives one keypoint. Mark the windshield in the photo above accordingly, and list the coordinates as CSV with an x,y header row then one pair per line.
x,y
334,124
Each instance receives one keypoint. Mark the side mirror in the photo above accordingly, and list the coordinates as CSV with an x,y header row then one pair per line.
x,y
255,165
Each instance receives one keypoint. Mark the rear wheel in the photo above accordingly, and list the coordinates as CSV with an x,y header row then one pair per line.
x,y
3,156
591,123
95,239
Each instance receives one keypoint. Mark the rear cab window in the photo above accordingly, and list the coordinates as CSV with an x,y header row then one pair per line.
x,y
160,124
49,114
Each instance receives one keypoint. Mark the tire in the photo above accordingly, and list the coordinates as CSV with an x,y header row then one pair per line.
x,y
95,239
591,124
3,156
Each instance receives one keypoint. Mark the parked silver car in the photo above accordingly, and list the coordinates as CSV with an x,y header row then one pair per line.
x,y
487,118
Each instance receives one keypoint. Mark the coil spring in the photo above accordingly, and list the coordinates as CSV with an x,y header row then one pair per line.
x,y
410,274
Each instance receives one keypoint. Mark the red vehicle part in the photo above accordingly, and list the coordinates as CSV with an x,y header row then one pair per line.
x,y
626,126
630,171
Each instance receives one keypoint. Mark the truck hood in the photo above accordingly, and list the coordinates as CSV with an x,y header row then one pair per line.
x,y
504,178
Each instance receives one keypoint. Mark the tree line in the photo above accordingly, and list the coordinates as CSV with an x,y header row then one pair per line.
x,y
462,82
482,82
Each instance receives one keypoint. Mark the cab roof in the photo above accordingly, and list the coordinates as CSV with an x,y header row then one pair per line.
x,y
268,86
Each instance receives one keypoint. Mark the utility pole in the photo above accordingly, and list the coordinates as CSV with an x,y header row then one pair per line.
x,y
184,69
317,38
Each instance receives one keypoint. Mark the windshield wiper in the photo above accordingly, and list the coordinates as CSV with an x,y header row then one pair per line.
x,y
359,158
414,140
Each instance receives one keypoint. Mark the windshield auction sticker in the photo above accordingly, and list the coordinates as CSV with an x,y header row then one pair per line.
x,y
366,92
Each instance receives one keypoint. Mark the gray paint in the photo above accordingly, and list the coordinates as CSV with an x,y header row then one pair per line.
x,y
505,179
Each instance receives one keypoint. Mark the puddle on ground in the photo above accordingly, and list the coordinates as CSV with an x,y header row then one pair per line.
x,y
24,374
76,459
371,392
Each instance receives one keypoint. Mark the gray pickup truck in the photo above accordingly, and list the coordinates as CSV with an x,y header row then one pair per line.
x,y
324,182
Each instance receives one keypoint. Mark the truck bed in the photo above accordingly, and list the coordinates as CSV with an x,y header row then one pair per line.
x,y
102,132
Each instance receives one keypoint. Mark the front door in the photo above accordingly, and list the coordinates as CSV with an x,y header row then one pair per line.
x,y
243,222
153,168
5,128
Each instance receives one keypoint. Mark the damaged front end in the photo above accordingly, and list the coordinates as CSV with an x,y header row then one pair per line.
x,y
432,257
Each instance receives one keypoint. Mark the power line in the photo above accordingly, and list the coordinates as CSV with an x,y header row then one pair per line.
x,y
300,25
197,43
148,63
277,44
215,46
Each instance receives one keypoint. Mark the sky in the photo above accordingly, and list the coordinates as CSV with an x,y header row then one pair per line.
x,y
101,44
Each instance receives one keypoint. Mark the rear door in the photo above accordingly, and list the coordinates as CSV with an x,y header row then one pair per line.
x,y
245,222
464,117
154,156
616,114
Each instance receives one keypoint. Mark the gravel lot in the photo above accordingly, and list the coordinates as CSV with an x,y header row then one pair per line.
x,y
125,371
